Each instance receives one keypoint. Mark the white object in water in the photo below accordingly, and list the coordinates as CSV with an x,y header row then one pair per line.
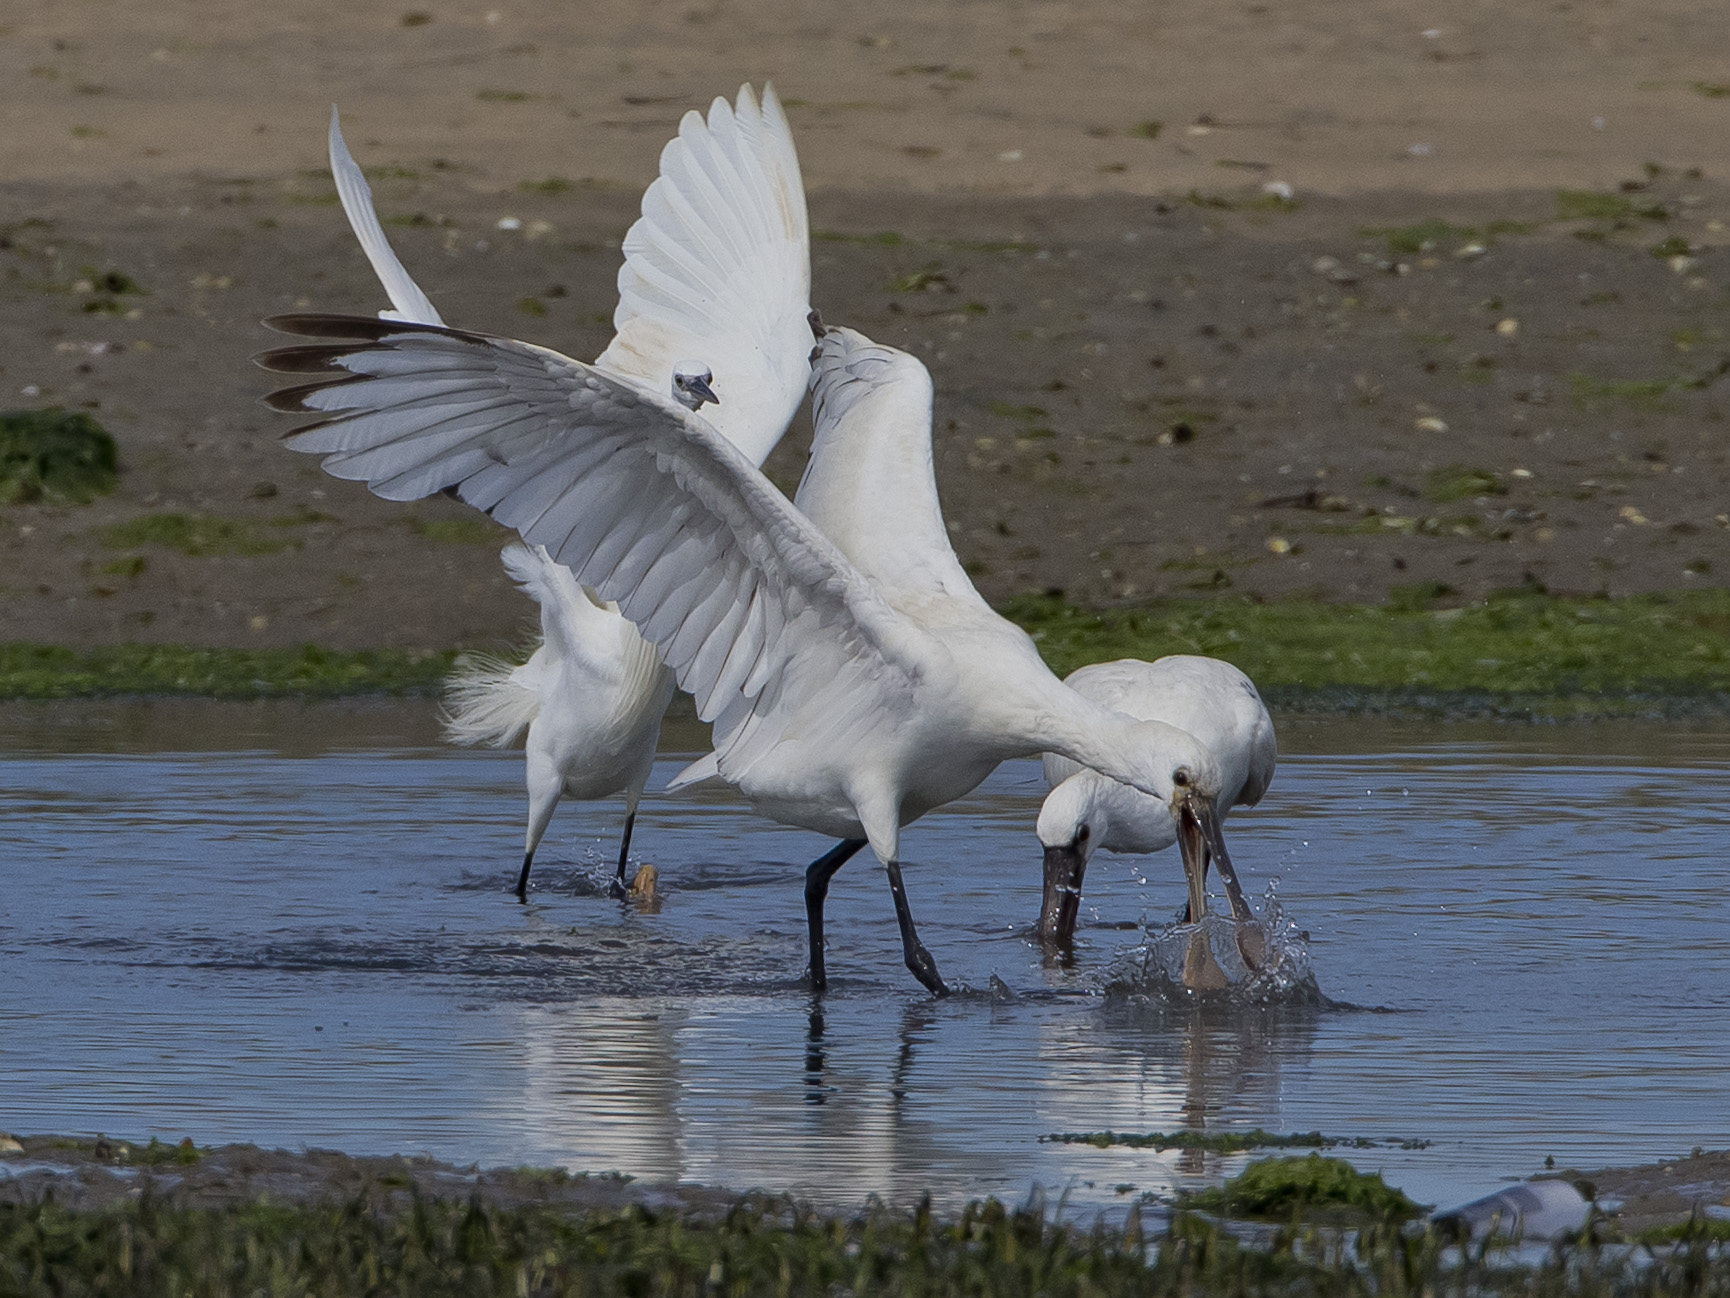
x,y
717,267
855,678
1533,1210
1213,701
590,699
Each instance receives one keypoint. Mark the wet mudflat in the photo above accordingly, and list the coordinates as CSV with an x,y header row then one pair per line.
x,y
292,926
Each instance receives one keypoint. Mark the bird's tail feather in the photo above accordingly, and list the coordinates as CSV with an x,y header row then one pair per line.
x,y
486,702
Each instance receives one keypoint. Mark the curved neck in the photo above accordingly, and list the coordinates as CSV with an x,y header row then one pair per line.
x,y
1115,745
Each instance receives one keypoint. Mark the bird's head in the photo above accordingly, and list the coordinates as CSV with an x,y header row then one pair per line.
x,y
691,385
1072,822
1184,774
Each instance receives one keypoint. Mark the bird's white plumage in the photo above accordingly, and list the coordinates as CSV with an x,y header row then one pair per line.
x,y
1208,698
717,267
838,706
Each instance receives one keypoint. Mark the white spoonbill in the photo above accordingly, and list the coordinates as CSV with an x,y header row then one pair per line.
x,y
717,268
848,697
1085,811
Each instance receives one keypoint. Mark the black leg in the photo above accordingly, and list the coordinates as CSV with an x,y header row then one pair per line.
x,y
624,851
919,960
817,876
523,878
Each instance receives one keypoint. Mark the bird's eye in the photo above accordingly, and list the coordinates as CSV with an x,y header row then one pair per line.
x,y
1180,777
1083,834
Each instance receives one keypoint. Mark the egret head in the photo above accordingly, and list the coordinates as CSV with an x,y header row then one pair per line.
x,y
1072,822
691,380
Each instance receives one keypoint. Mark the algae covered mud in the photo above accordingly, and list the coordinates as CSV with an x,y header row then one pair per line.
x,y
290,924
1520,654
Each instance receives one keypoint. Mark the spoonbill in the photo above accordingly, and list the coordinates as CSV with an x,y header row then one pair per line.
x,y
855,678
1085,811
718,268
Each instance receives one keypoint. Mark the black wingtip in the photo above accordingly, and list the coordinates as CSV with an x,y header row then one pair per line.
x,y
331,324
313,358
815,320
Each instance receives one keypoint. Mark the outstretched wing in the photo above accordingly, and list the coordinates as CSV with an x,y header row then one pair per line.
x,y
718,270
406,298
745,599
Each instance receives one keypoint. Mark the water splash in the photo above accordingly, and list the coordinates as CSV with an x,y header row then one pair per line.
x,y
1261,961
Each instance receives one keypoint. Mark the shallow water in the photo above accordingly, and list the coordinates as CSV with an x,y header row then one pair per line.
x,y
291,925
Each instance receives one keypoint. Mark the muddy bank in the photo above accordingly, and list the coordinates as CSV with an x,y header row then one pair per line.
x,y
90,1175
1387,396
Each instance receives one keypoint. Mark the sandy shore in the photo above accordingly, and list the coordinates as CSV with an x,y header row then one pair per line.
x,y
1454,364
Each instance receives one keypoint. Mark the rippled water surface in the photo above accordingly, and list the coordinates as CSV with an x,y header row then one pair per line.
x,y
291,925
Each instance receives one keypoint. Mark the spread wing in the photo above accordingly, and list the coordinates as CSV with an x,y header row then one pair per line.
x,y
747,601
718,270
406,298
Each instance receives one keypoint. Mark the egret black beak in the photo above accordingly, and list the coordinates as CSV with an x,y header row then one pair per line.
x,y
699,387
1064,868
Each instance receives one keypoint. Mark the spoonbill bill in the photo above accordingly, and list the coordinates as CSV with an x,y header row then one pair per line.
x,y
1085,811
855,678
716,268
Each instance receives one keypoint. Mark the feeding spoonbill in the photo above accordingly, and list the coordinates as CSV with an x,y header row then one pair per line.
x,y
1085,811
849,696
716,281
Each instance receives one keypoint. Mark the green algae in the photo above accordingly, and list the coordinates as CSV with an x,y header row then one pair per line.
x,y
1523,653
202,535
1283,1187
1218,1142
52,672
55,455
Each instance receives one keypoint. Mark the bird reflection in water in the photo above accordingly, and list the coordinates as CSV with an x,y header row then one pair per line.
x,y
838,1100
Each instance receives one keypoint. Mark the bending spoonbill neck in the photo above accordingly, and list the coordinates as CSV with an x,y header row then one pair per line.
x,y
1211,700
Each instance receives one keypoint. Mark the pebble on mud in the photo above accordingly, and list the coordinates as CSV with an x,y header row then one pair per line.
x,y
1430,424
10,1145
1508,328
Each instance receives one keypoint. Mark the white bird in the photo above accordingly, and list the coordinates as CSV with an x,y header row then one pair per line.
x,y
1085,811
855,678
717,267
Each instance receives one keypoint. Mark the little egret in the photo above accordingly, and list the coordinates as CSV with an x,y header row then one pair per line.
x,y
717,267
849,697
1085,811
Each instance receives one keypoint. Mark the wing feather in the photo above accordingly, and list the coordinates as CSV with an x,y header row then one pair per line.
x,y
718,270
405,295
640,499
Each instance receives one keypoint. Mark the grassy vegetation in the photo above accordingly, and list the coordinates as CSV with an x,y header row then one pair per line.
x,y
1523,652
50,672
55,454
385,1242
